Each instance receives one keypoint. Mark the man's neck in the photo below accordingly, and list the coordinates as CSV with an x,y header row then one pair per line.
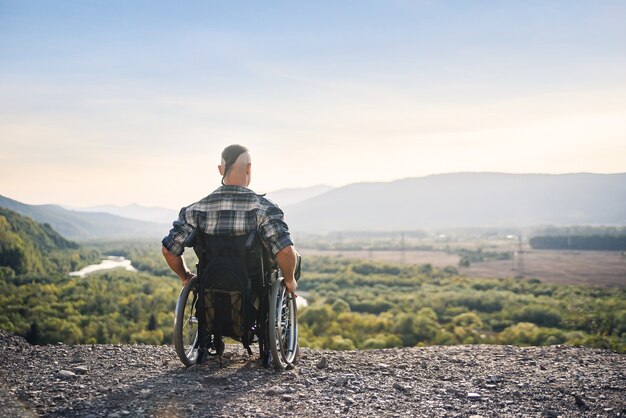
x,y
236,179
235,183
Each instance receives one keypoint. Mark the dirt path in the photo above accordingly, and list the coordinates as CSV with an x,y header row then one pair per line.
x,y
143,381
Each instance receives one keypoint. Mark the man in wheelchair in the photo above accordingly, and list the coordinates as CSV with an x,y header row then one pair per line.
x,y
239,238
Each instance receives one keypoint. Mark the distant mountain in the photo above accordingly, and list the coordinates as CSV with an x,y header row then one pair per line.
x,y
134,211
283,197
438,201
286,197
76,225
466,199
27,247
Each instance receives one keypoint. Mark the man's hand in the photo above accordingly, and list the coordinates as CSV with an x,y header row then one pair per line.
x,y
188,276
287,259
290,284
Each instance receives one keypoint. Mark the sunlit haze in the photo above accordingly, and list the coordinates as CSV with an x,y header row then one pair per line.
x,y
123,102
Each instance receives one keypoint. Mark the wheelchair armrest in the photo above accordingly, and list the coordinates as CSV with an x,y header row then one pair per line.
x,y
298,268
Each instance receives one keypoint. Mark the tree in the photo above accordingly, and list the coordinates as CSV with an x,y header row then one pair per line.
x,y
152,323
33,336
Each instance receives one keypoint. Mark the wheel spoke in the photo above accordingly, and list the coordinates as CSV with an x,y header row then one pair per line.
x,y
186,326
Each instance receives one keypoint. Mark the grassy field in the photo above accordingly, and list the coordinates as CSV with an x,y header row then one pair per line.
x,y
594,268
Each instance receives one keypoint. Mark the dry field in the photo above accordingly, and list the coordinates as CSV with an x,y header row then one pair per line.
x,y
593,268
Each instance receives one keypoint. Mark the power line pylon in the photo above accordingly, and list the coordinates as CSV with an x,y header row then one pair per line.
x,y
518,256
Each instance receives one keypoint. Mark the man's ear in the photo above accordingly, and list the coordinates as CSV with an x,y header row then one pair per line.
x,y
221,170
248,168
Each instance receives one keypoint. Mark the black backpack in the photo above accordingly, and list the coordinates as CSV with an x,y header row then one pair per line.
x,y
228,285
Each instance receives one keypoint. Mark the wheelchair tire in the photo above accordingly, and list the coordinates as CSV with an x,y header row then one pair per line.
x,y
283,326
186,326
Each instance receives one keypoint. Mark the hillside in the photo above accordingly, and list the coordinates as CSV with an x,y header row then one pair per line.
x,y
27,247
82,226
134,211
466,199
460,381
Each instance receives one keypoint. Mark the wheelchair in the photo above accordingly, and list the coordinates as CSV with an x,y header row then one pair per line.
x,y
268,312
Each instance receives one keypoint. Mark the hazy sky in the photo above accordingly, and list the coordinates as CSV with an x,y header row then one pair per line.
x,y
130,101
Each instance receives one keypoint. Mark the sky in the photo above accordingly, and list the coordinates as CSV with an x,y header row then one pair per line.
x,y
118,102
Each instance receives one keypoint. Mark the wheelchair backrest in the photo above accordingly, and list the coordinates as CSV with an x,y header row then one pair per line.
x,y
244,249
230,276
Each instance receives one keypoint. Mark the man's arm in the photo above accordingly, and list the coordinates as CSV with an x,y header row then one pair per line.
x,y
178,266
287,258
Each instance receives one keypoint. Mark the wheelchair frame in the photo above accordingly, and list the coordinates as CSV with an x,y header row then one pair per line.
x,y
276,325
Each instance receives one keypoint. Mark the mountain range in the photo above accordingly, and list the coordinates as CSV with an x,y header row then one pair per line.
x,y
81,226
437,201
133,211
466,199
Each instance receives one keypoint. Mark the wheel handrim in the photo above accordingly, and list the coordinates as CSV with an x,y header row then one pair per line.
x,y
286,326
190,331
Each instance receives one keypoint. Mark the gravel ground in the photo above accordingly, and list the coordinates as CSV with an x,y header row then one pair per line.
x,y
452,381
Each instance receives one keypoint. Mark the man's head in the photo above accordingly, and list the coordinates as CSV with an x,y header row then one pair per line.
x,y
236,166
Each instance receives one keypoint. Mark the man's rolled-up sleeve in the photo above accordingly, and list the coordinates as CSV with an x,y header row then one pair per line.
x,y
180,236
274,230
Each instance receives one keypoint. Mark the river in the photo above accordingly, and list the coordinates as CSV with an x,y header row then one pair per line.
x,y
108,263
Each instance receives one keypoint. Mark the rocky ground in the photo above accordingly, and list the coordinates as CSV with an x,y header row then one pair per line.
x,y
464,381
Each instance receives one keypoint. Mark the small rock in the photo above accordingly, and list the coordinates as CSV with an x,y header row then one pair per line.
x,y
473,395
399,387
549,414
287,397
323,363
275,390
66,374
144,393
580,402
81,369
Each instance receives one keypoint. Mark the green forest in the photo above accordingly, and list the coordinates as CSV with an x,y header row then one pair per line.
x,y
357,304
352,304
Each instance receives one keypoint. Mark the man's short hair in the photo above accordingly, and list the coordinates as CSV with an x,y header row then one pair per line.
x,y
230,155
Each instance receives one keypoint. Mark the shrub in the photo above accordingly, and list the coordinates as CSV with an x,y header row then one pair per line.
x,y
340,306
337,342
539,315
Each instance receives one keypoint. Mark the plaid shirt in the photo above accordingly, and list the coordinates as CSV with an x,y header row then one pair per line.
x,y
232,211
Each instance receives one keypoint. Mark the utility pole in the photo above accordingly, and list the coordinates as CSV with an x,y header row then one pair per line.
x,y
518,256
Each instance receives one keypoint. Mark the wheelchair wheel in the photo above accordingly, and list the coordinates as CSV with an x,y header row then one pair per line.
x,y
186,325
283,326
